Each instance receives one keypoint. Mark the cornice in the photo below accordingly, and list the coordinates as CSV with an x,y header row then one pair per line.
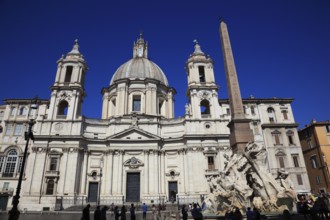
x,y
279,125
260,100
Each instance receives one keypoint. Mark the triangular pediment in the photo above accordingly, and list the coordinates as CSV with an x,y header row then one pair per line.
x,y
135,134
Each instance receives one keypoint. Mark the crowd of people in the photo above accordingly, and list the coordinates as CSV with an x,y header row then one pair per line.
x,y
120,213
315,207
194,209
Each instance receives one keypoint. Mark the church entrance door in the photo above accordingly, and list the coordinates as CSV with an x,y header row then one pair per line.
x,y
93,192
172,190
3,202
133,187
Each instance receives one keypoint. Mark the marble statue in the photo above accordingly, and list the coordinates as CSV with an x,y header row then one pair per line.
x,y
245,182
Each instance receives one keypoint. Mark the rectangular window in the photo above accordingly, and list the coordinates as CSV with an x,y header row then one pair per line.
x,y
327,128
290,138
314,161
295,159
299,179
277,139
285,115
5,186
50,187
281,161
68,74
210,161
318,180
228,111
18,129
9,129
201,71
136,103
53,164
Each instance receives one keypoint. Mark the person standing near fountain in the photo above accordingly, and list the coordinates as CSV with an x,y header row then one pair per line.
x,y
196,212
184,212
249,214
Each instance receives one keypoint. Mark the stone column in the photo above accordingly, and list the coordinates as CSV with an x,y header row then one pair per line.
x,y
189,169
153,100
182,174
108,172
146,172
121,173
83,181
162,172
105,106
148,100
58,73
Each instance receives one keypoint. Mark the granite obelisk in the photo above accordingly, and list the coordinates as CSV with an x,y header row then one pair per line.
x,y
240,131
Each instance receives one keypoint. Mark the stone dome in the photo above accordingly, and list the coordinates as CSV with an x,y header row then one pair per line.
x,y
139,68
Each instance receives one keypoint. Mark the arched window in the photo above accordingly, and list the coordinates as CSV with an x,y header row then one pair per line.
x,y
205,107
10,165
271,115
50,187
63,108
22,111
13,111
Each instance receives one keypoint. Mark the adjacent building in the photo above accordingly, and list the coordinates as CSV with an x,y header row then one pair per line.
x,y
138,151
315,142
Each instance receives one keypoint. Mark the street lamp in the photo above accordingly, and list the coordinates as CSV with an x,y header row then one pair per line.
x,y
14,213
101,166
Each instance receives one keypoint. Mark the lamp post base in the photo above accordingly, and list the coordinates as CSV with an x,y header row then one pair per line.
x,y
14,214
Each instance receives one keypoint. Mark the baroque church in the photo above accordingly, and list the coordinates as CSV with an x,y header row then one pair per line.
x,y
138,151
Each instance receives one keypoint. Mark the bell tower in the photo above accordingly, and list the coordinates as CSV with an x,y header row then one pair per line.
x,y
202,90
68,91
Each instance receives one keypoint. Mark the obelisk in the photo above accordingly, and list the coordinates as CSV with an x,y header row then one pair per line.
x,y
240,131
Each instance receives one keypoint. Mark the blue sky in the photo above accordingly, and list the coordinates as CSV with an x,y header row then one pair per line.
x,y
281,48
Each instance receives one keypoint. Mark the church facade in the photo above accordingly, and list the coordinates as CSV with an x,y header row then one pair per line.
x,y
138,151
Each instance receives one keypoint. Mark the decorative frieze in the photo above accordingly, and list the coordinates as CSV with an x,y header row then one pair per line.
x,y
133,163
